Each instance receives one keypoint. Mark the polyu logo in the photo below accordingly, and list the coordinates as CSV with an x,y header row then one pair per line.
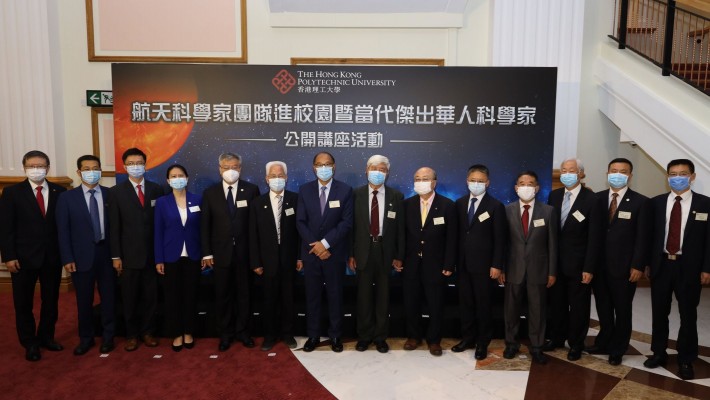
x,y
283,81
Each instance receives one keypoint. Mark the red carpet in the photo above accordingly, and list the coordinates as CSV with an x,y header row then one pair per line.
x,y
239,373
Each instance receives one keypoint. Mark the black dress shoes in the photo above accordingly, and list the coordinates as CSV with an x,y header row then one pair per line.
x,y
290,341
594,349
463,346
481,353
655,361
614,360
52,346
268,344
107,347
574,354
247,341
551,345
311,344
83,348
362,345
510,352
32,353
224,344
539,357
336,344
382,346
176,348
685,371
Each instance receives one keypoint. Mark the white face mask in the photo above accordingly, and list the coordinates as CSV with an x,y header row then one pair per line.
x,y
230,176
277,184
135,171
422,188
477,188
36,175
526,193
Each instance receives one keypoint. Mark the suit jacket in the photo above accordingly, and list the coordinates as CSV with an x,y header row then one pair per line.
x,y
696,237
25,235
580,242
334,225
628,239
264,248
76,231
482,243
170,234
392,226
132,224
436,241
220,230
536,255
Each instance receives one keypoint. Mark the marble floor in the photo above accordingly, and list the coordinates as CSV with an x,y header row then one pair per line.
x,y
415,374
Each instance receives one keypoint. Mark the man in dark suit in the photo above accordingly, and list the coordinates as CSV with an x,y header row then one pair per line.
x,y
624,256
483,234
324,218
430,257
274,246
580,236
132,248
377,247
680,264
531,265
28,246
225,245
82,223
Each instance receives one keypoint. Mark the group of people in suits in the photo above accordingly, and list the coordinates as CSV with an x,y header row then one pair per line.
x,y
551,256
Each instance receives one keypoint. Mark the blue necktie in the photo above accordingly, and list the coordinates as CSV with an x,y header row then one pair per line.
x,y
322,199
94,213
565,207
471,210
230,201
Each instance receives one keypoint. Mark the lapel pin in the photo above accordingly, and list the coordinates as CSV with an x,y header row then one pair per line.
x,y
693,211
264,206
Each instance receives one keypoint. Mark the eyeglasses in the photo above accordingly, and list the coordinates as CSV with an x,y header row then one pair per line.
x,y
323,165
135,163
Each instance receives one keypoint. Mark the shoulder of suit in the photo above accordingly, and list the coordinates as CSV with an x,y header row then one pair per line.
x,y
701,197
55,187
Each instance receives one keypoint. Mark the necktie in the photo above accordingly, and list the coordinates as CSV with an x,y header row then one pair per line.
x,y
673,243
141,198
94,213
374,216
40,200
471,210
565,207
424,211
525,220
279,201
613,206
230,201
323,199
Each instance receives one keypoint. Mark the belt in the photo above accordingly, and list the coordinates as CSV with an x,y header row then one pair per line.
x,y
672,257
375,239
420,255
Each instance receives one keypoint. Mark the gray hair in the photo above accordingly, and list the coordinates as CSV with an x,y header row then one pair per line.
x,y
272,163
580,165
229,157
377,160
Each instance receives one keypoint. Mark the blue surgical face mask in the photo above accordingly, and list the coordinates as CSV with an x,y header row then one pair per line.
x,y
177,183
324,173
135,171
376,177
569,180
476,188
679,183
617,180
277,184
91,177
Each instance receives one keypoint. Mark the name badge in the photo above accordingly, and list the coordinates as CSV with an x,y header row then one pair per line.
x,y
625,214
289,211
701,216
483,216
391,214
578,216
241,203
152,203
194,208
439,221
334,204
538,222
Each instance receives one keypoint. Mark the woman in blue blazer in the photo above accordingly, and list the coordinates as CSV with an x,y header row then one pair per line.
x,y
178,255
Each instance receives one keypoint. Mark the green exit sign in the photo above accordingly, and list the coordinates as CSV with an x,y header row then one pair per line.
x,y
99,98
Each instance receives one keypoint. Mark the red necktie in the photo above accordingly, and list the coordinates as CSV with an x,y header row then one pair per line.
x,y
40,200
141,198
374,216
525,220
673,243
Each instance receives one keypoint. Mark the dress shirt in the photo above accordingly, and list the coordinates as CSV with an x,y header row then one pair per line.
x,y
380,203
99,200
687,199
476,203
621,193
183,219
275,204
530,212
225,187
45,192
135,186
428,203
575,194
327,193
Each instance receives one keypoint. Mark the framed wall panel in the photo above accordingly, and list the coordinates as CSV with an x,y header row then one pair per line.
x,y
102,138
